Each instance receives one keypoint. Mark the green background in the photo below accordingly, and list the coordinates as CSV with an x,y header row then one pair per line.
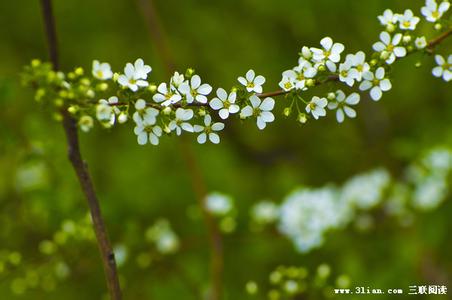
x,y
221,39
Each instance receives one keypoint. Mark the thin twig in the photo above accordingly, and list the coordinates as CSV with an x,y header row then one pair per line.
x,y
81,168
198,183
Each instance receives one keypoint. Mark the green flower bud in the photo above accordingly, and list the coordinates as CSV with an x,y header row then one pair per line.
x,y
438,26
418,64
406,39
152,88
202,112
58,102
73,109
251,287
373,62
287,111
322,68
331,96
323,271
390,28
102,86
79,71
302,118
189,73
35,63
167,110
115,77
310,82
15,258
47,247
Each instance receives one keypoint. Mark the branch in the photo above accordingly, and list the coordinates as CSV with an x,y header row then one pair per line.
x,y
436,41
81,168
198,183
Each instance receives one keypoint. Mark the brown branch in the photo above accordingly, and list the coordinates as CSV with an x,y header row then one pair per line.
x,y
436,41
198,183
81,168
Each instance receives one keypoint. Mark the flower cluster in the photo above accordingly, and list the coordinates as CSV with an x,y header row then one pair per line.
x,y
186,104
308,214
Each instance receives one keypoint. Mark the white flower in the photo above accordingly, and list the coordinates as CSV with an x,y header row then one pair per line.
x,y
104,113
389,48
179,123
377,83
432,12
287,83
195,91
297,76
146,130
444,69
366,190
225,103
358,61
218,204
260,109
208,130
342,105
317,107
408,21
109,115
330,54
102,71
177,80
166,95
141,70
420,42
348,74
388,18
134,75
145,113
252,82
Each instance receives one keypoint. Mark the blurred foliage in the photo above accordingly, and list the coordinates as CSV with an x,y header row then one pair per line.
x,y
137,186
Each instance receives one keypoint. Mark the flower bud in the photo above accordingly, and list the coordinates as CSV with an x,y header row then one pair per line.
x,y
251,287
306,52
331,96
406,39
373,62
390,28
322,68
287,111
167,110
202,112
310,82
115,77
302,118
78,71
384,55
189,73
166,129
418,64
438,26
90,93
122,118
58,102
152,88
72,109
103,86
35,63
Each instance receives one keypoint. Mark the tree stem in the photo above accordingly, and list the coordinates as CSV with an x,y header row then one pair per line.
x,y
81,168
